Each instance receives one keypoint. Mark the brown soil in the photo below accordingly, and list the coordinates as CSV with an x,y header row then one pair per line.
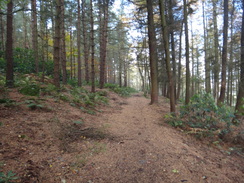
x,y
122,143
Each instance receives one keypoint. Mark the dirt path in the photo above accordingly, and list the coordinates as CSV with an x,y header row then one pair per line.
x,y
146,152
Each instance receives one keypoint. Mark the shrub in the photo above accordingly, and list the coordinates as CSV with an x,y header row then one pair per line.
x,y
203,113
24,60
31,90
2,65
122,91
111,85
49,89
2,80
73,82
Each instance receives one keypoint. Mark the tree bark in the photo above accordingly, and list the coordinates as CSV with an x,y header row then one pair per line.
x,y
9,46
179,65
34,34
224,55
152,53
193,90
85,42
92,49
56,53
2,32
79,45
207,63
172,39
187,96
230,64
240,96
167,56
71,46
103,41
216,51
63,46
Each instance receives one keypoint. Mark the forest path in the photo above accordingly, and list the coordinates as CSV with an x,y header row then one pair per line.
x,y
147,152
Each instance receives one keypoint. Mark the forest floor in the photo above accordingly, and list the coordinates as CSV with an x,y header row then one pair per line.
x,y
126,141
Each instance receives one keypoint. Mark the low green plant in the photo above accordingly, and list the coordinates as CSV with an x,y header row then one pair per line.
x,y
78,122
102,93
64,97
50,89
110,85
73,82
2,80
30,90
122,91
34,106
8,177
7,102
89,111
203,113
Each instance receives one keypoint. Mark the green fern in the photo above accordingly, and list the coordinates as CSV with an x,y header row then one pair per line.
x,y
7,178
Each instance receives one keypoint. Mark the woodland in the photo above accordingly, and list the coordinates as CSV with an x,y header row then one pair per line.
x,y
90,87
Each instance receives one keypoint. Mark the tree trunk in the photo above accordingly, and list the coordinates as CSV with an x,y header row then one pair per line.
x,y
25,34
193,90
56,53
179,65
172,38
240,96
9,46
43,43
2,32
224,54
125,72
71,46
187,97
103,41
120,70
85,42
63,46
167,55
152,53
79,44
92,49
207,63
230,65
216,51
34,34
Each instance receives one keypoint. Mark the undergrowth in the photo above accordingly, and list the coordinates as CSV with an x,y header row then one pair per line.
x,y
203,118
122,91
31,85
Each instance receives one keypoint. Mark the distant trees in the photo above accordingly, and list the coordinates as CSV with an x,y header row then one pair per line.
x,y
87,41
